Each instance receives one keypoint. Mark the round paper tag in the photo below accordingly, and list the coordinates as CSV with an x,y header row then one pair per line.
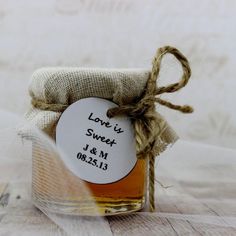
x,y
95,148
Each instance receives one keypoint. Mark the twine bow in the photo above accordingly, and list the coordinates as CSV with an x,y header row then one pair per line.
x,y
146,120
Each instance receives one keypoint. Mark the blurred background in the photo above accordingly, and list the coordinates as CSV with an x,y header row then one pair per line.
x,y
126,34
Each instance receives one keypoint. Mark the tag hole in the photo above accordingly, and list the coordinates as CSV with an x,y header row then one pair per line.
x,y
107,114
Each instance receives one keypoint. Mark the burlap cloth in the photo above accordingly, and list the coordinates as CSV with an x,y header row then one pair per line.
x,y
68,85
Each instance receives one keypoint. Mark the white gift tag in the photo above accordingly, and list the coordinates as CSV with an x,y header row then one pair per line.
x,y
96,148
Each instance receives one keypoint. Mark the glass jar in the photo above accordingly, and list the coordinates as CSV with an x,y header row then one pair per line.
x,y
55,188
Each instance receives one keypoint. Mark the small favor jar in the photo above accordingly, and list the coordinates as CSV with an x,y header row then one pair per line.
x,y
55,186
107,134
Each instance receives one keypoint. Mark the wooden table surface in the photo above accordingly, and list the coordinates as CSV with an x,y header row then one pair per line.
x,y
21,218
187,207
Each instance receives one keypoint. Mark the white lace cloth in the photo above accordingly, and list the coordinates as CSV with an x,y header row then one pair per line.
x,y
198,197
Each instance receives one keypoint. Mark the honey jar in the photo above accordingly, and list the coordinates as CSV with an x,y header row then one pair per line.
x,y
55,186
107,134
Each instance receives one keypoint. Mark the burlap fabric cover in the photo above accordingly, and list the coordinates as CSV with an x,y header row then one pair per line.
x,y
68,85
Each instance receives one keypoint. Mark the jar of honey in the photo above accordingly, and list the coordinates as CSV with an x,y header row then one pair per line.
x,y
99,164
55,186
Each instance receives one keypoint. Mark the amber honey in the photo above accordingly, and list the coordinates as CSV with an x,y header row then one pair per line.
x,y
57,189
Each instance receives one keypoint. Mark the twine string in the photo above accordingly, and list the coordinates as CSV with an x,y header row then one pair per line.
x,y
152,90
143,114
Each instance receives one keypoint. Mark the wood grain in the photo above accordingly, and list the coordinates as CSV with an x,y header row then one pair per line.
x,y
19,215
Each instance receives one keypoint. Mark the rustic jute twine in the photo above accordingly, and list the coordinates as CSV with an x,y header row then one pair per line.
x,y
142,112
145,119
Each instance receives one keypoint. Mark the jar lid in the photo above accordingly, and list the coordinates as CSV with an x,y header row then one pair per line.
x,y
66,85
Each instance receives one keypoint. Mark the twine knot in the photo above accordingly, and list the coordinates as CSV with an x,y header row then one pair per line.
x,y
145,119
134,110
